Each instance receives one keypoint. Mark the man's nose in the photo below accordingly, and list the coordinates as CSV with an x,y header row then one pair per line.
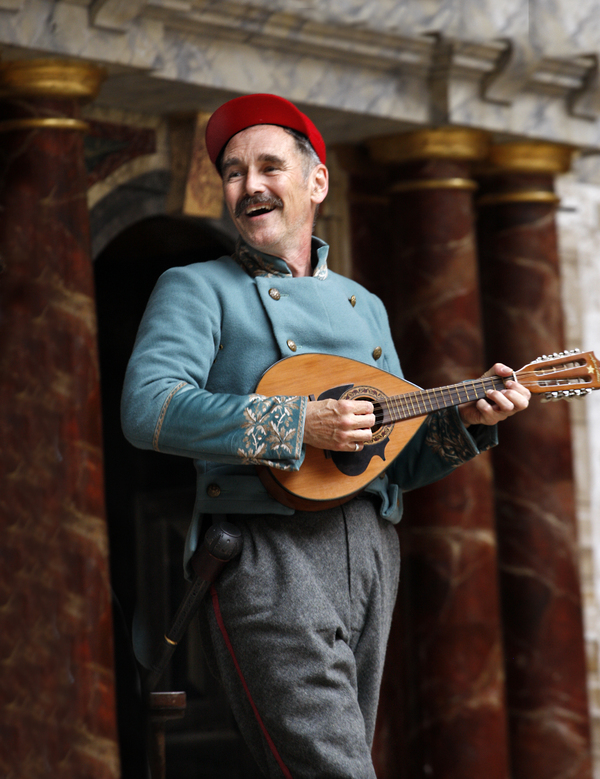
x,y
254,182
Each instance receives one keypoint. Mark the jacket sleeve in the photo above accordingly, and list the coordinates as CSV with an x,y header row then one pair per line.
x,y
440,445
165,404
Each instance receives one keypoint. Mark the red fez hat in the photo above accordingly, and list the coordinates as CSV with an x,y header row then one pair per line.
x,y
246,111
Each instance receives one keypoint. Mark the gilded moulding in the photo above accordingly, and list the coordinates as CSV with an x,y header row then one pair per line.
x,y
449,143
50,78
43,123
452,183
519,196
530,157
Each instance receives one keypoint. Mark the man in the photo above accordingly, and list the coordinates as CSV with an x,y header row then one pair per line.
x,y
296,627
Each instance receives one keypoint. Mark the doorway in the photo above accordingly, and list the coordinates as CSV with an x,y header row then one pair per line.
x,y
149,500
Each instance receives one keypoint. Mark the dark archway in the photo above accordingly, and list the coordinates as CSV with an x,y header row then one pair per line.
x,y
149,498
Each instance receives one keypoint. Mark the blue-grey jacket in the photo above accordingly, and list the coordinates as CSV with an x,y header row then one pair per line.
x,y
211,330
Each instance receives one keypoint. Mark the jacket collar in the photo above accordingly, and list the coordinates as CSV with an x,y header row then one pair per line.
x,y
257,263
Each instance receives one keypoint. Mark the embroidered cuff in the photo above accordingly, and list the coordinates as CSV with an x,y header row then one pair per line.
x,y
272,431
449,439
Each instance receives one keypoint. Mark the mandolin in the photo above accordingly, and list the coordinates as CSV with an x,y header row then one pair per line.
x,y
328,478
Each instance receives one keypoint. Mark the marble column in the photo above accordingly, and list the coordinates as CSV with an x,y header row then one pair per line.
x,y
56,686
448,611
538,552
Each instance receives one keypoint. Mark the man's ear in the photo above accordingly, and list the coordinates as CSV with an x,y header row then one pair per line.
x,y
319,183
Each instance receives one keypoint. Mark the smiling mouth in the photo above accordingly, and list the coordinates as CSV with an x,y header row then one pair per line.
x,y
257,205
259,210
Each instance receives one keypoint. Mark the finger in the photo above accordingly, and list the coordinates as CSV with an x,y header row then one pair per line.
x,y
501,400
519,400
499,369
515,387
354,415
486,406
491,414
364,422
358,443
361,407
518,395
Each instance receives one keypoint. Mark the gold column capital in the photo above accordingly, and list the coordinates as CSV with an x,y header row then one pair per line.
x,y
530,157
50,78
449,143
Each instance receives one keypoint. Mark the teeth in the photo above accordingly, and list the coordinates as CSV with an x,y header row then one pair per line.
x,y
256,209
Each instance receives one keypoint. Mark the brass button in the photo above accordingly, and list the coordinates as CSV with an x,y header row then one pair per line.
x,y
291,345
213,490
352,300
274,293
377,352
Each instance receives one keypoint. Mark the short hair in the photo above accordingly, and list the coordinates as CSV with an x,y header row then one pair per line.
x,y
310,158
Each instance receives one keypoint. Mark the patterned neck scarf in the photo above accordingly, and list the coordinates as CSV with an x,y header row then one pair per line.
x,y
257,263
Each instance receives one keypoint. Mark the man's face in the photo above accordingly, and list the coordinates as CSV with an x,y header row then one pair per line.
x,y
267,194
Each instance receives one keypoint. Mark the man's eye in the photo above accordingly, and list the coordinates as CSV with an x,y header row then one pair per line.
x,y
232,174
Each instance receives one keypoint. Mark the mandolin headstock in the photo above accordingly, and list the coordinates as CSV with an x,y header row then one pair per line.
x,y
562,376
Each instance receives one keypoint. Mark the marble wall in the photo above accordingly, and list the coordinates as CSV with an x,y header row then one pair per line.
x,y
579,235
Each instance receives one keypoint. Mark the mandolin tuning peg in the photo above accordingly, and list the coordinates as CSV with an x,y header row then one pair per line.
x,y
550,396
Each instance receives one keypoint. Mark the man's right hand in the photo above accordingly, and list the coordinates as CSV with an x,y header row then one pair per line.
x,y
339,425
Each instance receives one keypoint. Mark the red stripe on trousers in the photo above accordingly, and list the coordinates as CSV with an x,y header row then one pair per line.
x,y
228,644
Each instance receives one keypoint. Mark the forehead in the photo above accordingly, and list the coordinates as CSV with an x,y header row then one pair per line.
x,y
260,140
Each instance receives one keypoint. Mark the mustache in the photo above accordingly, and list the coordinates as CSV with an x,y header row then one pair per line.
x,y
269,201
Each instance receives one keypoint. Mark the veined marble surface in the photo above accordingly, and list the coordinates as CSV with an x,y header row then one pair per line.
x,y
518,67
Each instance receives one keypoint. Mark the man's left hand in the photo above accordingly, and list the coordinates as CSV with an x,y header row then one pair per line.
x,y
498,404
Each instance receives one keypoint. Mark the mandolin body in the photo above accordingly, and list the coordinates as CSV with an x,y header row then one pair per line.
x,y
328,479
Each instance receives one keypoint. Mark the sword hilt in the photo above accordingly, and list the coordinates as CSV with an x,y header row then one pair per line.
x,y
222,542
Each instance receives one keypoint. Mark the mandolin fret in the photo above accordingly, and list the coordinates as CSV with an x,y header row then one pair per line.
x,y
415,404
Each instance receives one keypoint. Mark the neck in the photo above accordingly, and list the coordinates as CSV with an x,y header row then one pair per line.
x,y
298,258
299,263
297,254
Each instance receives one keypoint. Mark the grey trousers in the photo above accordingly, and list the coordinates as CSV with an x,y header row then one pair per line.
x,y
296,628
